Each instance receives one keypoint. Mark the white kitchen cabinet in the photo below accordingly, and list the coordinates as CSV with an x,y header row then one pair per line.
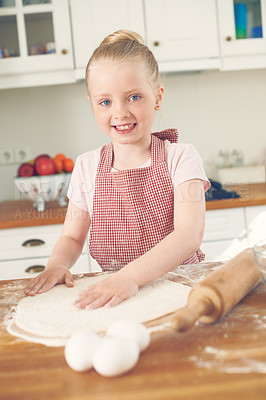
x,y
222,250
26,250
30,267
182,33
227,223
35,43
256,224
225,233
242,33
92,20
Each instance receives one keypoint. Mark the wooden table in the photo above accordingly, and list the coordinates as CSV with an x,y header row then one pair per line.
x,y
17,214
251,194
20,213
223,361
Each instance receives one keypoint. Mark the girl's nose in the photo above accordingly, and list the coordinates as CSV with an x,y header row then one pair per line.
x,y
121,111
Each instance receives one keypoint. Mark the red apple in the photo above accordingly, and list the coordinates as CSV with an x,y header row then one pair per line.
x,y
45,165
26,169
41,156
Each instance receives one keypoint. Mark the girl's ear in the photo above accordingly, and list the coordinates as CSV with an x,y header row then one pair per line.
x,y
159,98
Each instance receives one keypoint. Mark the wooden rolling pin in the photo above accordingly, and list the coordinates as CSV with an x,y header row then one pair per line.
x,y
219,292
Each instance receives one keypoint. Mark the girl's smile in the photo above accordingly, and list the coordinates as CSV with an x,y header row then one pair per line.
x,y
124,129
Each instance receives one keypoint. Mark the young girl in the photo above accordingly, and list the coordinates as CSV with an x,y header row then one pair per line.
x,y
141,196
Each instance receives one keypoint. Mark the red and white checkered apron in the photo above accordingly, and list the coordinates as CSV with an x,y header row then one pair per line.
x,y
133,210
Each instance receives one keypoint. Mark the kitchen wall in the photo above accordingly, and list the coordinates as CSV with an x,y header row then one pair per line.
x,y
213,110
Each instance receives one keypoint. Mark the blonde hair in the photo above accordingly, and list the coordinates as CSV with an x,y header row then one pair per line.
x,y
124,45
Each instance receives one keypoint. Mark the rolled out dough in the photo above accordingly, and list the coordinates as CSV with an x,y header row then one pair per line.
x,y
51,318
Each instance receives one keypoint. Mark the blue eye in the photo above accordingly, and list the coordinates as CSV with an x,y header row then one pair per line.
x,y
105,103
134,97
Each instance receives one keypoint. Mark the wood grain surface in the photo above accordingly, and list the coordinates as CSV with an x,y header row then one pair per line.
x,y
253,194
17,214
225,360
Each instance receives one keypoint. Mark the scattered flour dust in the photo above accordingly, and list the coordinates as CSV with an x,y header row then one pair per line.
x,y
51,318
224,361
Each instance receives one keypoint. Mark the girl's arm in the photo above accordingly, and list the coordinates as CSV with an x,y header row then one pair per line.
x,y
65,252
189,218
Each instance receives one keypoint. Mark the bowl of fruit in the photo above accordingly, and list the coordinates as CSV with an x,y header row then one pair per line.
x,y
44,179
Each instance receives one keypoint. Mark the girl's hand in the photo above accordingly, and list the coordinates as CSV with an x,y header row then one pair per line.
x,y
110,292
49,278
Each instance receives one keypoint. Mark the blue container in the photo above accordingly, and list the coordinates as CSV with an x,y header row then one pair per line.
x,y
241,20
256,32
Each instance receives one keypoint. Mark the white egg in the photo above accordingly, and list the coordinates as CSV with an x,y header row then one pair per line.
x,y
131,329
115,356
80,349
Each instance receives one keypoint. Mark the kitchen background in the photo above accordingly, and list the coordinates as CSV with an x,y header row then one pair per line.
x,y
213,110
219,109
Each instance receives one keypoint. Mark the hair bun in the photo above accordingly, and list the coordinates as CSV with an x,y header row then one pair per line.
x,y
122,35
125,46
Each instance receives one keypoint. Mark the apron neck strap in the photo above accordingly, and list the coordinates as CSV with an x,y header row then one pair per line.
x,y
167,134
157,149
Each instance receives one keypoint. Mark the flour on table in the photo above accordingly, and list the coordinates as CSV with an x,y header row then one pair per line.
x,y
51,318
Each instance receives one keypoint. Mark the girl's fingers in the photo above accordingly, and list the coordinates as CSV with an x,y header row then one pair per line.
x,y
34,287
92,301
115,300
45,281
101,301
84,299
69,279
47,285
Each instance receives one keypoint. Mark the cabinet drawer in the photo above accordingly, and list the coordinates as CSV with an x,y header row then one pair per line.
x,y
221,250
29,242
18,269
224,224
94,266
256,224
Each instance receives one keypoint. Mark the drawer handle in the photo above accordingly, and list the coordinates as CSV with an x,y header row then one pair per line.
x,y
35,268
33,242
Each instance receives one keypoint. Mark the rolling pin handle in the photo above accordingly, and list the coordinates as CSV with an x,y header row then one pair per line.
x,y
186,317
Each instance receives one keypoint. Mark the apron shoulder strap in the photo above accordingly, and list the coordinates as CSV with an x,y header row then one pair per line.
x,y
167,134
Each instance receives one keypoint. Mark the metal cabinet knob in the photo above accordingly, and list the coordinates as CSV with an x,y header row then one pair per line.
x,y
35,268
156,43
33,242
64,51
228,38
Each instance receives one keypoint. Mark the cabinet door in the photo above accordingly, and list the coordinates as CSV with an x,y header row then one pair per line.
x,y
242,29
222,250
225,233
224,224
256,224
35,36
94,266
93,20
30,242
18,269
181,29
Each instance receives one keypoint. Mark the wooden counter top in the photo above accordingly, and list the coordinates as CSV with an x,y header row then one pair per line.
x,y
17,214
226,360
250,195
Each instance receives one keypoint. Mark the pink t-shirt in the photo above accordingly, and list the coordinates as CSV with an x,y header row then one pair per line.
x,y
183,163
